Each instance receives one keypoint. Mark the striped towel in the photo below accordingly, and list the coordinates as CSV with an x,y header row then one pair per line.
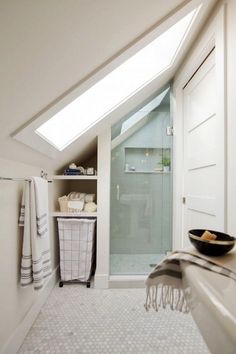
x,y
35,262
164,284
39,187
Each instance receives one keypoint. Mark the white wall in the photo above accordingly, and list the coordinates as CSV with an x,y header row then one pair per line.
x,y
17,303
103,203
221,28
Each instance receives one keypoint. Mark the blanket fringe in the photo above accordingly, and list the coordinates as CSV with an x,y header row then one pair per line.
x,y
165,295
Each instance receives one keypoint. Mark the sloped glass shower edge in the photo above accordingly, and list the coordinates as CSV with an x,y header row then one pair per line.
x,y
141,188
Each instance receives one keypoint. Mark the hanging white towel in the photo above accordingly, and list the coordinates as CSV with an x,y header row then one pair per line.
x,y
41,201
36,262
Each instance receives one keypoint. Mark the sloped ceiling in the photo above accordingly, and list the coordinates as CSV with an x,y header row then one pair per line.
x,y
48,47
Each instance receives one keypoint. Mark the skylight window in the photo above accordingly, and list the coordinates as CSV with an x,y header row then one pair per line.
x,y
135,118
122,130
120,84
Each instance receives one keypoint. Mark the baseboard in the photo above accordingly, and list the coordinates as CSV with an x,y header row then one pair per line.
x,y
101,281
13,344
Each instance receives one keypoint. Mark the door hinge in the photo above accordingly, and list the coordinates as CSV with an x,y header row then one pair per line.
x,y
184,200
169,131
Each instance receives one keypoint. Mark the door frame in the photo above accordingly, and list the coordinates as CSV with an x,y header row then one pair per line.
x,y
213,36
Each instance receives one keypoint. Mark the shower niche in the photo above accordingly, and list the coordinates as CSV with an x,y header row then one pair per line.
x,y
147,160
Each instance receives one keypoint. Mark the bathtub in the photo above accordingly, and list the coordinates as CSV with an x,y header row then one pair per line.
x,y
212,300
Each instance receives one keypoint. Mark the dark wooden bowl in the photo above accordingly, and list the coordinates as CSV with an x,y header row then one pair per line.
x,y
221,245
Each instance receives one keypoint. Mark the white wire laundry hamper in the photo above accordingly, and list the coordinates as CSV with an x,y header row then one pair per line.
x,y
77,249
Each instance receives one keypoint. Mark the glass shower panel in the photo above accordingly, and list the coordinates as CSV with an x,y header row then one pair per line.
x,y
141,188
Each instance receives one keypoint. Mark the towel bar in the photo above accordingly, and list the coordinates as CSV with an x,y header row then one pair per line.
x,y
16,179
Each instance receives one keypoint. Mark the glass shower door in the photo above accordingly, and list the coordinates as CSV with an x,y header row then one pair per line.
x,y
141,188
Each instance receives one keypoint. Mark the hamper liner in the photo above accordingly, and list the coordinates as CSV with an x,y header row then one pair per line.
x,y
77,248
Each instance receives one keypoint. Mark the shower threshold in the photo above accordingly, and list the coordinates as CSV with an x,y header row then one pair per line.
x,y
127,281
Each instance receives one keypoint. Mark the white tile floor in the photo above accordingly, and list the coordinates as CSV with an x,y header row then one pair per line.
x,y
80,320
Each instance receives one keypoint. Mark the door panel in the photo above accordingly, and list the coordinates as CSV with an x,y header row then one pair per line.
x,y
199,220
202,102
203,157
207,188
202,145
202,204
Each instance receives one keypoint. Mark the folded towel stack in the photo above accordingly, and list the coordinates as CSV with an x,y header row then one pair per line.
x,y
73,171
76,202
79,170
76,196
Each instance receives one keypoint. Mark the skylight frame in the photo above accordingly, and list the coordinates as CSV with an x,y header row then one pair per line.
x,y
58,119
26,134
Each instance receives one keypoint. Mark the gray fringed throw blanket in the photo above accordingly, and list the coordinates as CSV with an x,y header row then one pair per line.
x,y
164,284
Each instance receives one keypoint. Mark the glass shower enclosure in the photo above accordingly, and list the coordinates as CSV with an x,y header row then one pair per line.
x,y
141,188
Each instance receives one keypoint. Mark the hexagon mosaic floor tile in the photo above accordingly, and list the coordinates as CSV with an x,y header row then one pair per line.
x,y
79,320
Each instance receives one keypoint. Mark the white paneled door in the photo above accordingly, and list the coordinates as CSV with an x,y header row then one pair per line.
x,y
204,180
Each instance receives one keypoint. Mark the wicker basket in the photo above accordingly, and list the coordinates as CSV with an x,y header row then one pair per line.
x,y
70,205
63,203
